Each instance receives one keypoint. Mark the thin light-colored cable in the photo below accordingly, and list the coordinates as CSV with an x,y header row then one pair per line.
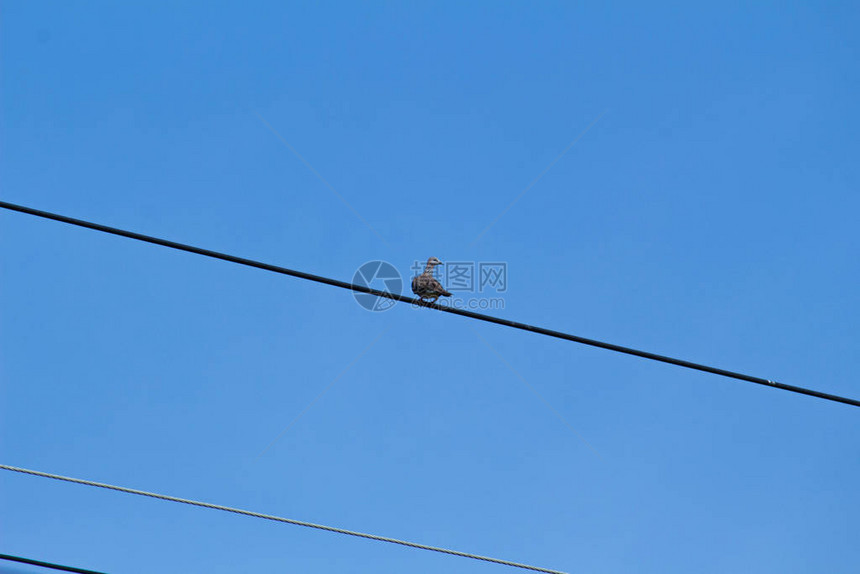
x,y
278,519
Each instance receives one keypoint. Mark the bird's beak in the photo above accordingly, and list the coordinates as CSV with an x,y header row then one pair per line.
x,y
440,263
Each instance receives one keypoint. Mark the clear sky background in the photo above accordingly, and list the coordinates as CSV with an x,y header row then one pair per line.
x,y
709,213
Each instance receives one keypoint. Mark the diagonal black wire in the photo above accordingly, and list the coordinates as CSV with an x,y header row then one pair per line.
x,y
47,564
418,302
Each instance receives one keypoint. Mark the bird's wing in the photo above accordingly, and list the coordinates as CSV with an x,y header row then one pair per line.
x,y
435,286
425,285
422,285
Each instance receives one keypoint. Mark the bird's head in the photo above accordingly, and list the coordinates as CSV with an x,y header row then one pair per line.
x,y
432,262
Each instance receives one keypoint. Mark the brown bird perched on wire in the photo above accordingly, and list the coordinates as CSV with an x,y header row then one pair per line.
x,y
426,286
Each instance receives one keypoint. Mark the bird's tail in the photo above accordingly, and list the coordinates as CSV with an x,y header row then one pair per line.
x,y
445,294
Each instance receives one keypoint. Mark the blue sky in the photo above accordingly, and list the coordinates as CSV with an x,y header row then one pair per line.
x,y
710,213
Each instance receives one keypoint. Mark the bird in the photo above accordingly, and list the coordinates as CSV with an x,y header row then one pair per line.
x,y
426,286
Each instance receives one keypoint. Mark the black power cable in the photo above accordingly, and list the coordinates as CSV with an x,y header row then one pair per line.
x,y
418,302
47,564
